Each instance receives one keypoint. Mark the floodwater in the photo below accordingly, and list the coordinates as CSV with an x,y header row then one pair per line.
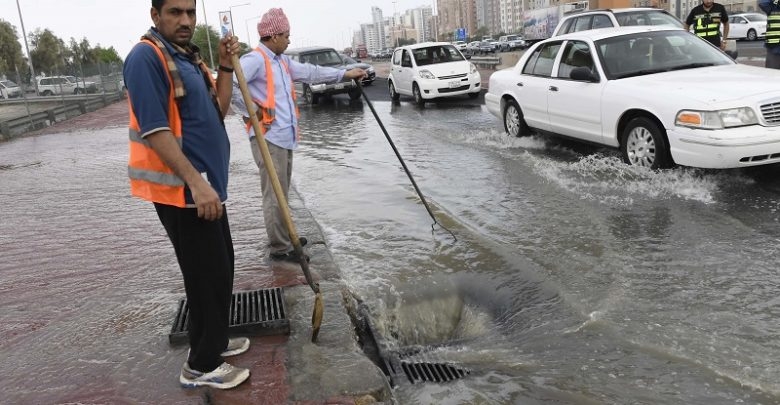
x,y
573,279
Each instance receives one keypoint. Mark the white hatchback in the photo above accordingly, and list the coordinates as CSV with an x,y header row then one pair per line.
x,y
649,91
432,69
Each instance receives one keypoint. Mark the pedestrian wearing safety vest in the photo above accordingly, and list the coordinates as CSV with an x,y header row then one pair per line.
x,y
706,19
772,39
179,155
270,75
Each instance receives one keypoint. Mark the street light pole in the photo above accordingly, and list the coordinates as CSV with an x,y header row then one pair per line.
x,y
246,23
208,34
27,48
230,9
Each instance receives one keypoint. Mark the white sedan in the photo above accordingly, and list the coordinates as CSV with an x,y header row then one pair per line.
x,y
661,95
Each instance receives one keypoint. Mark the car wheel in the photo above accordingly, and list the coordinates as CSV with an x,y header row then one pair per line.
x,y
354,94
418,98
47,93
393,94
309,95
76,91
643,143
751,35
514,123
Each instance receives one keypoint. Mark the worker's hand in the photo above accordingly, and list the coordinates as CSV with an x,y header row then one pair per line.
x,y
206,200
228,46
355,73
723,45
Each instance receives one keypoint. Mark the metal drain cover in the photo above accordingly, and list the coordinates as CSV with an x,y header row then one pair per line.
x,y
421,370
252,313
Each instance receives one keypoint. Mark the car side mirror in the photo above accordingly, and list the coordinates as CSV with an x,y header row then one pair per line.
x,y
467,56
583,74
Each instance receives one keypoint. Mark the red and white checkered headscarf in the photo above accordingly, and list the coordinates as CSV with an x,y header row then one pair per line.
x,y
272,23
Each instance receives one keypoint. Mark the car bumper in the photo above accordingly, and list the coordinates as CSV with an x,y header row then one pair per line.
x,y
753,145
433,88
333,88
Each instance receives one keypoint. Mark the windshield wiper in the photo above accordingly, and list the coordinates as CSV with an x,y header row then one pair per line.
x,y
640,73
692,65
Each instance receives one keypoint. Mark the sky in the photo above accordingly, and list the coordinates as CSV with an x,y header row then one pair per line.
x,y
115,23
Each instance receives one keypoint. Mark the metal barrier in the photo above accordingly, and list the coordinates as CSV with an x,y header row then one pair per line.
x,y
42,119
485,61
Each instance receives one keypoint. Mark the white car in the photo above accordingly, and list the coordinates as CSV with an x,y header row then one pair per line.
x,y
660,95
9,89
750,26
432,69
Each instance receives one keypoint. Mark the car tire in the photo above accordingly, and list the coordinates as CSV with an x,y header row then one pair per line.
x,y
643,143
751,35
355,94
514,123
309,95
47,93
418,98
393,94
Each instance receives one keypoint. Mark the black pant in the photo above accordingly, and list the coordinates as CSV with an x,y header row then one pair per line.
x,y
204,250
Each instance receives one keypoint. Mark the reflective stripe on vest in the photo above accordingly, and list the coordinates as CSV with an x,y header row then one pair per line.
x,y
267,111
150,178
772,37
706,30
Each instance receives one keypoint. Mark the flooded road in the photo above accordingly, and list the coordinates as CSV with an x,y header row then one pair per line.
x,y
573,279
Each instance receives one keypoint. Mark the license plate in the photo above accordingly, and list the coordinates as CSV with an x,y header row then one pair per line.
x,y
454,85
339,86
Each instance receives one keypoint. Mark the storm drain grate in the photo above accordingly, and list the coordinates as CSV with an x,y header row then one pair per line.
x,y
252,313
423,370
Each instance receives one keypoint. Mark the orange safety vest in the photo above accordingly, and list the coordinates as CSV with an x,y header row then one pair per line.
x,y
267,110
150,178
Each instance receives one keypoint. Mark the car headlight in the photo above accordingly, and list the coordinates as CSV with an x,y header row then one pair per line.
x,y
473,68
370,69
732,117
425,74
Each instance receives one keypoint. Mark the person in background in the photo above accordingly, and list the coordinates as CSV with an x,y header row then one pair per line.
x,y
706,19
772,39
179,155
270,75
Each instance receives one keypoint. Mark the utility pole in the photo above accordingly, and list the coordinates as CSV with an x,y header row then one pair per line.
x,y
208,34
27,48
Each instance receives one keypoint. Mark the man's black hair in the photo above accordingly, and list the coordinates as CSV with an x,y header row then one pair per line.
x,y
158,4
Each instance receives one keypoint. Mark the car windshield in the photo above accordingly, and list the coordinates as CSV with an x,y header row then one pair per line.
x,y
755,17
647,17
327,58
654,52
512,37
8,83
436,54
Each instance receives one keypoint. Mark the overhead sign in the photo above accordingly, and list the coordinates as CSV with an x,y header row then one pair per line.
x,y
460,34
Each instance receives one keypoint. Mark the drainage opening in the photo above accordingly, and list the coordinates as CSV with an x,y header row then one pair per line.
x,y
252,313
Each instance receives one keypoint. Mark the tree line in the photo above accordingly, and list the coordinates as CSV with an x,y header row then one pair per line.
x,y
50,55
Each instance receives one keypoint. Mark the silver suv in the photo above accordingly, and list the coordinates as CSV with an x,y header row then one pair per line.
x,y
619,17
322,56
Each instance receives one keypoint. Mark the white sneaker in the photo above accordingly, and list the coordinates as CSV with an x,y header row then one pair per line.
x,y
236,346
223,377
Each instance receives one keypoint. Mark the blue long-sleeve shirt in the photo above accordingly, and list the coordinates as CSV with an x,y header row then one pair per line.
x,y
768,6
283,131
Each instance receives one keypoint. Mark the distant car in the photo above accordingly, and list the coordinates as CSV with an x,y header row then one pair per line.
x,y
9,89
618,17
48,86
432,69
485,47
749,26
82,86
350,63
322,56
647,91
461,45
511,43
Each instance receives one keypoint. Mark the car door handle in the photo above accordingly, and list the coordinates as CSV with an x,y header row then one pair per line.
x,y
519,84
553,88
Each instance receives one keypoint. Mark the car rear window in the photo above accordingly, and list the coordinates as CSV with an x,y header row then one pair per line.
x,y
650,17
436,54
